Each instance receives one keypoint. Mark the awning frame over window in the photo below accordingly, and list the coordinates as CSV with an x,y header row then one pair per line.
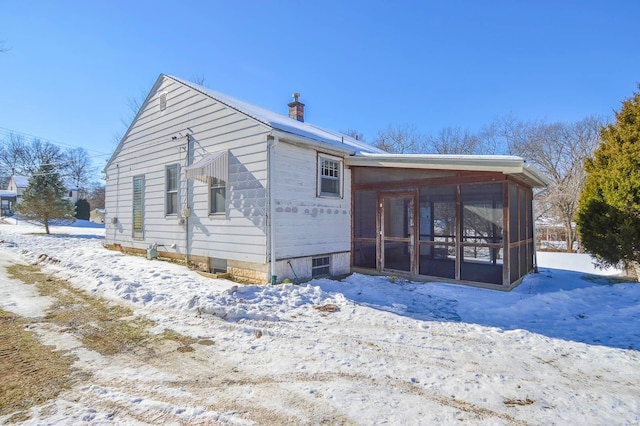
x,y
213,165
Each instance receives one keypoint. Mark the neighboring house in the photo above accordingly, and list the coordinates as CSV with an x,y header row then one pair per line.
x,y
19,183
7,200
265,197
97,216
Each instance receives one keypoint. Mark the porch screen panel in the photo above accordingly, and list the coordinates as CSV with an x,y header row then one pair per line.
x,y
398,223
364,229
529,208
364,214
437,229
138,206
522,203
530,242
514,264
513,213
482,233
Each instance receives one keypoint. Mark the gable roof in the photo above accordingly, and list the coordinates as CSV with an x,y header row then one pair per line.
x,y
285,123
20,181
360,153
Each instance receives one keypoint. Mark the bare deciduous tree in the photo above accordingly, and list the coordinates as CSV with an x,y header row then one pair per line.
x,y
198,79
454,140
559,150
79,168
37,153
401,139
359,136
11,155
96,196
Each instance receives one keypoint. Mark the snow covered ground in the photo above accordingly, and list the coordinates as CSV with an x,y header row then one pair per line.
x,y
559,349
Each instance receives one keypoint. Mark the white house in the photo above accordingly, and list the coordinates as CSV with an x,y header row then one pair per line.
x,y
97,216
234,187
18,184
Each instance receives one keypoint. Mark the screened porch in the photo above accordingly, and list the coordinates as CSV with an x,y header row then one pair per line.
x,y
472,227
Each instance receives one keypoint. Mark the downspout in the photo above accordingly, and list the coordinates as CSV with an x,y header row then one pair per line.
x,y
272,141
186,216
535,240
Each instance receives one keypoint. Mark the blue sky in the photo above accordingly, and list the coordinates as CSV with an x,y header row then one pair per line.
x,y
73,65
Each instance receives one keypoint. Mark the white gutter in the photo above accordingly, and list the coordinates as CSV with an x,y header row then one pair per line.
x,y
271,157
489,163
320,146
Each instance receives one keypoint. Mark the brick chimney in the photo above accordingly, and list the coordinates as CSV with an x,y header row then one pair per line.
x,y
296,108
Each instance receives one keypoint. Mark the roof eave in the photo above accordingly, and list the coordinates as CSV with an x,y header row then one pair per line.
x,y
319,145
507,165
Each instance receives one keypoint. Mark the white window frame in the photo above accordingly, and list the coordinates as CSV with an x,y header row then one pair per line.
x,y
217,184
137,232
325,173
170,192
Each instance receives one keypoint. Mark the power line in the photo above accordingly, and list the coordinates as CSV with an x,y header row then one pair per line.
x,y
7,132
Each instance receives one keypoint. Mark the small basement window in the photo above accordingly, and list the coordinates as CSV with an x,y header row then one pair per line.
x,y
320,267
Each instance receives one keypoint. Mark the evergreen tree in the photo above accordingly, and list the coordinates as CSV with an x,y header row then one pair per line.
x,y
609,211
83,211
44,200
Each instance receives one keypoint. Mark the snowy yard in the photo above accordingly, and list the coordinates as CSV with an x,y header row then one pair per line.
x,y
562,348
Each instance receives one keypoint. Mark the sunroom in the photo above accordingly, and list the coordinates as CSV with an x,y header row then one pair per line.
x,y
463,219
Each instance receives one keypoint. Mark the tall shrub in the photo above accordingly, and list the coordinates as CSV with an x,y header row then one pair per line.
x,y
609,210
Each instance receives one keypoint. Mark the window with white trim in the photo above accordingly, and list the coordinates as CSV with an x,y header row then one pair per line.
x,y
217,196
329,176
320,267
171,183
138,207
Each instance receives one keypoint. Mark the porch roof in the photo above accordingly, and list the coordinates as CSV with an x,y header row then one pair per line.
x,y
213,165
5,194
506,164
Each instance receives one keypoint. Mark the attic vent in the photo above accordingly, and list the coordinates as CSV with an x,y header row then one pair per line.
x,y
163,101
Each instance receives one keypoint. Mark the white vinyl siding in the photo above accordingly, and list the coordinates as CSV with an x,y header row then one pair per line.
x,y
158,139
305,224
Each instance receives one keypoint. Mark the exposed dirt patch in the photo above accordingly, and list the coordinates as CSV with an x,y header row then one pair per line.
x,y
31,372
513,402
105,328
330,307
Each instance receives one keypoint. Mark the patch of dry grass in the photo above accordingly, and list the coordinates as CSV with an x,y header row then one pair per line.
x,y
184,341
101,326
329,307
106,328
513,402
31,373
